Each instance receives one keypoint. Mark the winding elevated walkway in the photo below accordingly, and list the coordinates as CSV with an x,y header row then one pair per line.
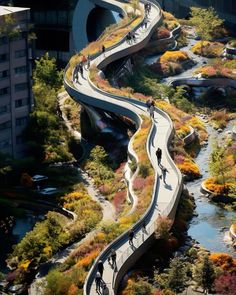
x,y
165,197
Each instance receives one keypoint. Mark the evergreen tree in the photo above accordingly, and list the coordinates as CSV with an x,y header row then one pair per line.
x,y
204,273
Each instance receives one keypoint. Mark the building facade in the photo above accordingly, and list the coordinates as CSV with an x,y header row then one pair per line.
x,y
15,79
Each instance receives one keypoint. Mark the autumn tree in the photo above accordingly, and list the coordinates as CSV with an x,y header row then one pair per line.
x,y
206,21
225,284
163,225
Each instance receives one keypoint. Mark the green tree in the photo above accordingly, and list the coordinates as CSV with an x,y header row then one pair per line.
x,y
139,287
218,166
175,278
9,27
206,21
46,72
204,273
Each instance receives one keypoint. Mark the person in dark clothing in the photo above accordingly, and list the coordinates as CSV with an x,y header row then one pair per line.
x,y
131,236
144,226
113,257
103,49
159,154
100,267
151,111
81,69
98,281
148,104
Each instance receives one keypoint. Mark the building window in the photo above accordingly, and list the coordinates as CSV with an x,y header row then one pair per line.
x,y
21,121
5,90
20,70
4,74
4,109
21,87
3,57
3,40
5,125
20,53
21,102
5,143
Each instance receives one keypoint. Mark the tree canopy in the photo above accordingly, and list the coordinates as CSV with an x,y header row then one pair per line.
x,y
206,21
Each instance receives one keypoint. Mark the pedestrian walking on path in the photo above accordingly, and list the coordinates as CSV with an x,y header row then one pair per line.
x,y
81,69
100,267
103,49
113,258
148,104
88,61
131,237
152,110
98,281
164,171
144,227
159,155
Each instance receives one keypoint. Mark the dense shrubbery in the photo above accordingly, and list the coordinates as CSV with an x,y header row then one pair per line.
x,y
208,49
220,119
46,133
56,231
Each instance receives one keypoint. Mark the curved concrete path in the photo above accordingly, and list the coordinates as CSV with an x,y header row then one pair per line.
x,y
165,197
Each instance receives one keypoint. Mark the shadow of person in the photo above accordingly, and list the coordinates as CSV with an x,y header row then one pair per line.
x,y
168,186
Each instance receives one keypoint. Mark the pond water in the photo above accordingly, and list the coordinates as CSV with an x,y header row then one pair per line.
x,y
15,222
210,227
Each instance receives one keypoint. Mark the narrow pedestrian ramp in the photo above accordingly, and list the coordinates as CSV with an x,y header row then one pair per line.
x,y
165,196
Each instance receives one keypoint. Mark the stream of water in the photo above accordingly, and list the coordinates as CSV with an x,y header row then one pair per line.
x,y
212,223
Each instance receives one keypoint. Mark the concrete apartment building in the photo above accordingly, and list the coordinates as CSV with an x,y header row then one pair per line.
x,y
15,79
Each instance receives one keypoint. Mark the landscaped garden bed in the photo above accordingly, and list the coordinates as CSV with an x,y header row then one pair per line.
x,y
172,63
222,166
208,49
219,69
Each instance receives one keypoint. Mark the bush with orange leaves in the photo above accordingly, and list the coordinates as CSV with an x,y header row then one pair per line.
x,y
88,260
174,56
73,289
216,188
226,262
208,49
189,168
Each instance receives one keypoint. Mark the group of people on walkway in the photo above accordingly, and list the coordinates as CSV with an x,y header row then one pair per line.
x,y
101,286
147,8
79,69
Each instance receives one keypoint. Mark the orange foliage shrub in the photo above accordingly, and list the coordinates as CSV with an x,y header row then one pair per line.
x,y
209,49
188,167
174,56
73,290
87,261
224,261
216,188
